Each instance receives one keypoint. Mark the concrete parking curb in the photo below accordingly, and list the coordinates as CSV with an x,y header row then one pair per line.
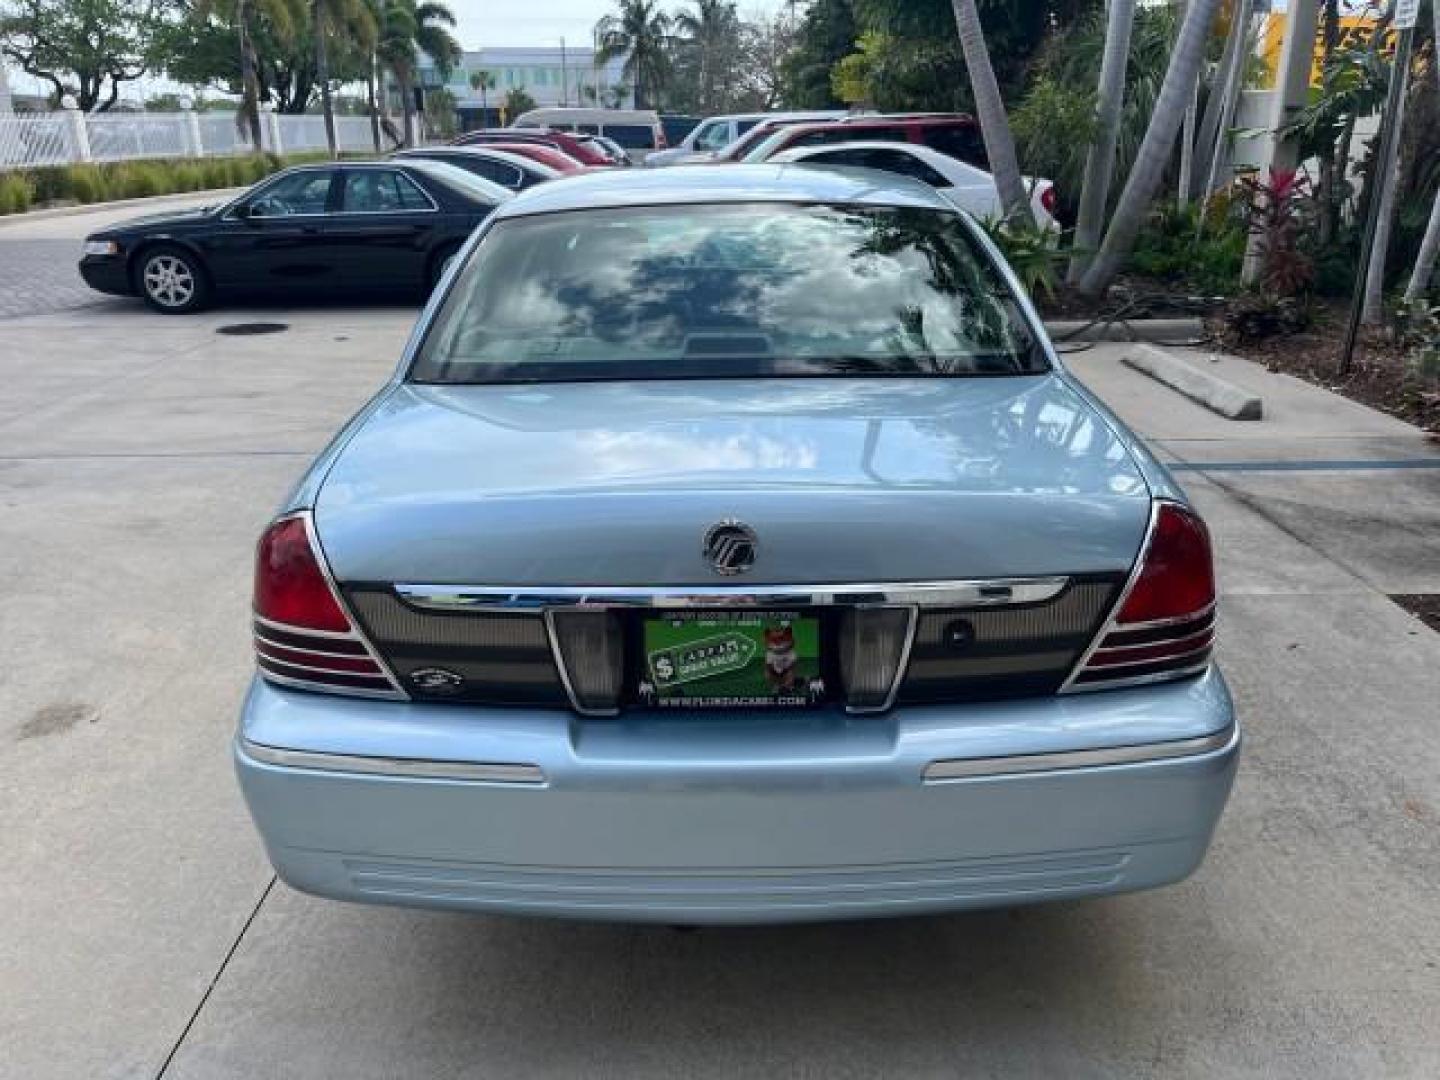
x,y
1156,330
1197,384
156,201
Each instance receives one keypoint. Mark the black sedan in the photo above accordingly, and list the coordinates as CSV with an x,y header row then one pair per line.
x,y
341,228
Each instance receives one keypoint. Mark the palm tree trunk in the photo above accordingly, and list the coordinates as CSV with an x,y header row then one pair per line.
x,y
1155,149
407,101
1213,120
249,80
1430,246
1187,144
994,125
322,76
1374,309
372,104
1100,161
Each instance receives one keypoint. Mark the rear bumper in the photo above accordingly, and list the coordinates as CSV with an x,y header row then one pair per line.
x,y
764,819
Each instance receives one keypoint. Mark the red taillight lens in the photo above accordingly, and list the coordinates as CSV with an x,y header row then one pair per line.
x,y
1048,200
302,635
1178,577
290,587
1166,627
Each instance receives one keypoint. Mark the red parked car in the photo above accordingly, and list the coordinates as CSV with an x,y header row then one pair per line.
x,y
544,153
580,147
955,134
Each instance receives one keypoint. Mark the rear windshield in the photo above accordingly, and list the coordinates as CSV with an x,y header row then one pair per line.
x,y
722,291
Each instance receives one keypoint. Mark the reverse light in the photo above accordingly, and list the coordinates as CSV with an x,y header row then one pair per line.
x,y
874,643
303,636
1165,627
589,646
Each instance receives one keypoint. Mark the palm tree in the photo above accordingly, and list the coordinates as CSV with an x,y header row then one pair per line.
x,y
1100,162
1155,149
1228,77
712,33
1430,246
483,81
392,23
283,17
640,32
994,125
351,18
417,27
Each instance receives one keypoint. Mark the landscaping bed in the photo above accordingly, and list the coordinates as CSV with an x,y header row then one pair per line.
x,y
1384,375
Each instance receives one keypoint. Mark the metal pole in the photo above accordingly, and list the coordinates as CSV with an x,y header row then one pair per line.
x,y
564,75
1389,133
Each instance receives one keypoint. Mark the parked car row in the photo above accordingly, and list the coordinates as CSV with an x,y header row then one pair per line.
x,y
361,227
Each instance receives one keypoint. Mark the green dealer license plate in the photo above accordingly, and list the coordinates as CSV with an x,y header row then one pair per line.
x,y
731,659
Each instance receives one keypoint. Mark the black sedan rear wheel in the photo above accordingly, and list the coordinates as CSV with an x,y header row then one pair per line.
x,y
172,280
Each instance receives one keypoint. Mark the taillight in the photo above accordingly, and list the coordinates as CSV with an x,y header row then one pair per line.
x,y
1165,627
303,636
1048,199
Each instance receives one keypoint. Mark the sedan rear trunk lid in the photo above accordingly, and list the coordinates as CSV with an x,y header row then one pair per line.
x,y
842,480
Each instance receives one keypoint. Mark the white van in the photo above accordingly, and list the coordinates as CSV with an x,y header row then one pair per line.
x,y
712,135
638,131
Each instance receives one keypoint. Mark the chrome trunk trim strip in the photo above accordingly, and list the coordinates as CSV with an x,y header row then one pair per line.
x,y
978,593
475,771
973,768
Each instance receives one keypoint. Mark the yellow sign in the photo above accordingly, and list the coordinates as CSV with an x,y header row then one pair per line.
x,y
1355,30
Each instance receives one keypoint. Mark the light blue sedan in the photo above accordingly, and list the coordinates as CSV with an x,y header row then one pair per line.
x,y
731,547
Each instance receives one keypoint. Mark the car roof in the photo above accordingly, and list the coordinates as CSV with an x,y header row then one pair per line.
x,y
612,188
479,150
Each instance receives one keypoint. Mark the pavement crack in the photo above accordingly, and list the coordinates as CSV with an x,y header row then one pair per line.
x,y
215,979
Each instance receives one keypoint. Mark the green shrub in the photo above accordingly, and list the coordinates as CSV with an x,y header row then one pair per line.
x,y
84,183
1168,250
141,179
17,192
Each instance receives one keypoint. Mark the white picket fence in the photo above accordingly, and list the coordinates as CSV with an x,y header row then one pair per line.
x,y
69,136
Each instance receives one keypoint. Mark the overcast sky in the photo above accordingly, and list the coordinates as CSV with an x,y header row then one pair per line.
x,y
545,22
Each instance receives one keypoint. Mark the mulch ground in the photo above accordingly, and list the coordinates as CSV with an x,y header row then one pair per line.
x,y
1382,376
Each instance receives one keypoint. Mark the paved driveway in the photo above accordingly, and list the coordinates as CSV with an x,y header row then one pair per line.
x,y
38,257
143,934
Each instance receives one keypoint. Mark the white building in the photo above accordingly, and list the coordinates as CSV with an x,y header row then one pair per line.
x,y
551,75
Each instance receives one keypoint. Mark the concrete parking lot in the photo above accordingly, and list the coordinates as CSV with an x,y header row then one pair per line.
x,y
143,934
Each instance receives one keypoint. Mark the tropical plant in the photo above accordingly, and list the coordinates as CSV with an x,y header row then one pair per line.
x,y
517,101
990,109
826,35
708,54
1278,217
640,32
1144,180
282,17
1100,158
1031,252
344,19
412,28
482,82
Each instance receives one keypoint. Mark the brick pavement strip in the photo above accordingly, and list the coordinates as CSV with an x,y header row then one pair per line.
x,y
39,276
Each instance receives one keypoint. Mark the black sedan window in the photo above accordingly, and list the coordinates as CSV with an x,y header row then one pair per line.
x,y
715,291
299,193
380,191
